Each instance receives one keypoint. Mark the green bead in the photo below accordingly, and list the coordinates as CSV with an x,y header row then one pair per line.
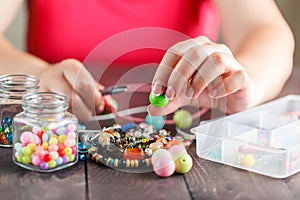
x,y
183,119
26,159
184,163
26,151
158,101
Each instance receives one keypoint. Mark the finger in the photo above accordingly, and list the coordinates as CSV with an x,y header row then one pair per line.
x,y
76,104
169,61
188,65
80,109
218,64
233,83
184,70
155,111
83,84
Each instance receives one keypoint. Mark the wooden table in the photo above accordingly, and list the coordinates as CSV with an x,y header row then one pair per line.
x,y
88,180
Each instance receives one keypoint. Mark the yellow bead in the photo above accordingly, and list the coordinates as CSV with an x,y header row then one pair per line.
x,y
62,138
53,136
31,146
248,160
53,140
132,163
68,151
45,145
155,146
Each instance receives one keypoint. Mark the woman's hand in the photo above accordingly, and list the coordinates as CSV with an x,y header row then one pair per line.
x,y
200,72
71,78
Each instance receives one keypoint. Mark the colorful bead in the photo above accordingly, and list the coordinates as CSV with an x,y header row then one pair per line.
x,y
158,101
44,148
183,119
133,154
164,166
157,121
248,160
184,163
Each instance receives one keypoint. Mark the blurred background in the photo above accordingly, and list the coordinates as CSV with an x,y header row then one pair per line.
x,y
289,8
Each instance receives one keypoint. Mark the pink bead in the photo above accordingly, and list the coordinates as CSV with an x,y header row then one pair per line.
x,y
35,139
36,161
39,152
73,149
71,135
36,129
164,166
160,153
53,147
26,137
16,154
68,142
177,151
72,127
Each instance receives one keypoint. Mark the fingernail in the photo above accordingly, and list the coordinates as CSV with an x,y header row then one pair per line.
x,y
170,92
189,92
213,93
157,88
101,108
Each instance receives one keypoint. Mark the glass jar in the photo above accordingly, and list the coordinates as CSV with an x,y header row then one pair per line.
x,y
45,135
12,88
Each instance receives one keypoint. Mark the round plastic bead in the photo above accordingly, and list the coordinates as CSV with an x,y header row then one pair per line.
x,y
157,121
161,153
164,166
183,119
184,163
248,160
158,101
177,151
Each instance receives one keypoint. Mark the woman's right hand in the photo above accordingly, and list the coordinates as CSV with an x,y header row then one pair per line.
x,y
71,78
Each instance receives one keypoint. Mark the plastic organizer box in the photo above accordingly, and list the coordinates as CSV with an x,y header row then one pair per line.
x,y
264,139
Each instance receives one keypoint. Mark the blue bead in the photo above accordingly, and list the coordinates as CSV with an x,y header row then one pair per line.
x,y
82,148
6,120
82,157
82,127
126,127
111,163
157,121
9,137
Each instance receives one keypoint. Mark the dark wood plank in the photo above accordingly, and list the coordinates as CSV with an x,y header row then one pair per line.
x,y
210,180
105,182
293,183
18,183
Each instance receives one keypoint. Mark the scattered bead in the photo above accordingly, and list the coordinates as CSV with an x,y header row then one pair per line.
x,y
184,163
164,166
157,121
183,119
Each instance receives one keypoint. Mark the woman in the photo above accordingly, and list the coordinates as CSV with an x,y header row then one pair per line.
x,y
257,43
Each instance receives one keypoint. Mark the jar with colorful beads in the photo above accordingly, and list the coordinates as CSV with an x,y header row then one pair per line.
x,y
45,135
12,88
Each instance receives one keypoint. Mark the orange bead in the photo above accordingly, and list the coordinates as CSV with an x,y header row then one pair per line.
x,y
133,154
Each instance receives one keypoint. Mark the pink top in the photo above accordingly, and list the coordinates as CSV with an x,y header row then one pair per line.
x,y
73,28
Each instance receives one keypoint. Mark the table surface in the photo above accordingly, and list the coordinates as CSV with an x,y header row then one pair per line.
x,y
88,180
